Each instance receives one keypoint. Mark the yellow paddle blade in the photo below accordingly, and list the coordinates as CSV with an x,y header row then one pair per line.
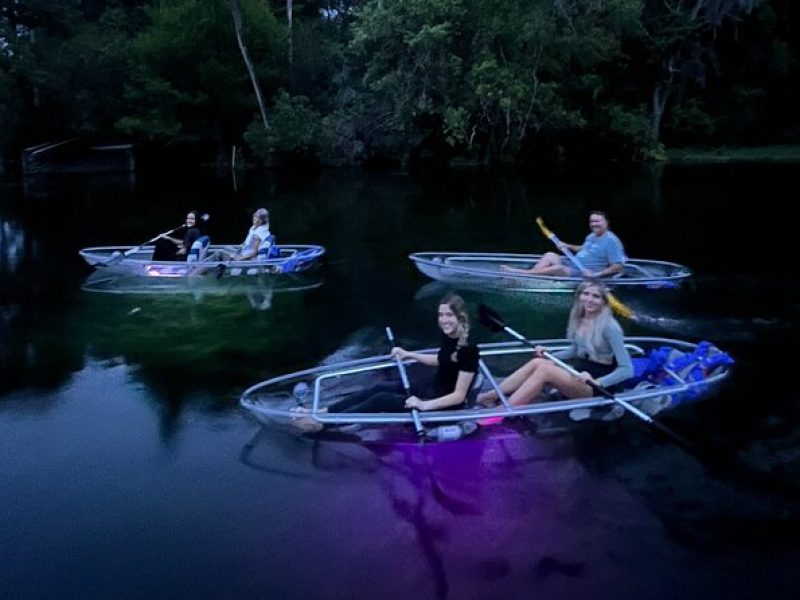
x,y
618,307
540,222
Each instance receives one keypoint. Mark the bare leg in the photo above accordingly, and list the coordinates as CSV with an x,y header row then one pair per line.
x,y
549,264
513,381
570,386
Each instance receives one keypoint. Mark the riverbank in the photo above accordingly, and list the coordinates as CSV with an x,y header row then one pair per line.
x,y
787,153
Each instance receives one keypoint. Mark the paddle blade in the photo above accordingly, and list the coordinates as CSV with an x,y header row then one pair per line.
x,y
540,222
618,307
490,319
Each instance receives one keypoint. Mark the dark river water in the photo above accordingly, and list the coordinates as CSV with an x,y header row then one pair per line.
x,y
129,469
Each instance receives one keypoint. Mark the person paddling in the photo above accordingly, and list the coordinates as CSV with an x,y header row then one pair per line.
x,y
456,365
601,254
597,351
169,248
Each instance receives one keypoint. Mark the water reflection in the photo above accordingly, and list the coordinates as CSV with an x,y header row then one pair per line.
x,y
30,348
53,185
12,245
181,342
257,290
442,493
723,308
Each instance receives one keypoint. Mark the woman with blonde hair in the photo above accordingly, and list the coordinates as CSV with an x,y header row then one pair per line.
x,y
257,235
596,350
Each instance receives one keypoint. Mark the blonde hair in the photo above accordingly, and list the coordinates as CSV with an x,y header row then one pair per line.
x,y
459,308
263,215
577,314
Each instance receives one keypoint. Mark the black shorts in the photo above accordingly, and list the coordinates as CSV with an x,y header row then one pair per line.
x,y
595,369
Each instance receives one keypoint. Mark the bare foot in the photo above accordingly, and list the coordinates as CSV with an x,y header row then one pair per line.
x,y
487,399
302,420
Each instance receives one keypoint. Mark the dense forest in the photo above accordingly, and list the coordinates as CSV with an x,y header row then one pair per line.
x,y
376,82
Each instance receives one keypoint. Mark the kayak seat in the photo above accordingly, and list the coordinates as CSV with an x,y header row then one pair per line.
x,y
198,250
268,250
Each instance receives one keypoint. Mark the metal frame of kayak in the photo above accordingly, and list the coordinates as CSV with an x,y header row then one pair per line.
x,y
268,403
140,263
461,268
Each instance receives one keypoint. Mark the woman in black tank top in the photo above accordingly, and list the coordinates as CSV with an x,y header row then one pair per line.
x,y
456,364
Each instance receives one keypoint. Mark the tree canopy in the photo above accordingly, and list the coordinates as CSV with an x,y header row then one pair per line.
x,y
413,80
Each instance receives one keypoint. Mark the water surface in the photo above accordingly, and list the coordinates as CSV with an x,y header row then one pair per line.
x,y
129,469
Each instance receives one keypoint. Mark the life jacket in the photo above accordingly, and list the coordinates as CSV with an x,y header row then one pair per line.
x,y
705,361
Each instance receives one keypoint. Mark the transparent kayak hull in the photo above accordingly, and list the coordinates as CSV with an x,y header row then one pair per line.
x,y
483,270
274,401
137,261
110,282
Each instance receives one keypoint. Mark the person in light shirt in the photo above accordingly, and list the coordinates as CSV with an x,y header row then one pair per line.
x,y
257,235
597,351
601,254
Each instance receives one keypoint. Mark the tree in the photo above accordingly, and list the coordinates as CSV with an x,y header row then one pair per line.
x,y
238,25
189,85
682,35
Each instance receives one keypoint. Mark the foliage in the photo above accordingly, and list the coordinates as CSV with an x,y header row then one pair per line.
x,y
71,67
294,129
11,113
410,80
189,83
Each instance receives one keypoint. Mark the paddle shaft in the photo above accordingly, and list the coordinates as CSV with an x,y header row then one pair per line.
x,y
202,218
118,257
594,385
495,320
605,392
567,252
406,385
151,240
615,303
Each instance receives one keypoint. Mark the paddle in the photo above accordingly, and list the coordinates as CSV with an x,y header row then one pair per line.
x,y
494,322
616,305
115,258
406,385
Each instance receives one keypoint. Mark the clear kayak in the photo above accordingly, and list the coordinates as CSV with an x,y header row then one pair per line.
x,y
111,282
483,270
137,261
668,372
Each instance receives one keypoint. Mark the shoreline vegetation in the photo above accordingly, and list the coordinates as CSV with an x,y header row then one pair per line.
x,y
696,155
419,84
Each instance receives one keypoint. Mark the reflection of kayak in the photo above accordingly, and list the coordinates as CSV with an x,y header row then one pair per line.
x,y
289,259
112,282
668,372
472,269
